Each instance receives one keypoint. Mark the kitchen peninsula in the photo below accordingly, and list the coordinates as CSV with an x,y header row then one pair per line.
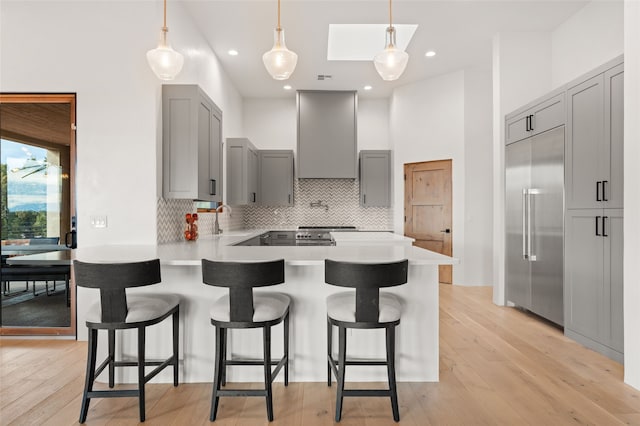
x,y
417,339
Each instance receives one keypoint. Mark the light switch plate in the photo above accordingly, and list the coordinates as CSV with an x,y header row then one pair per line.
x,y
98,221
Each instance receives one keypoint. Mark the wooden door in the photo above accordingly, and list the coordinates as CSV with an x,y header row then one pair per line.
x,y
427,208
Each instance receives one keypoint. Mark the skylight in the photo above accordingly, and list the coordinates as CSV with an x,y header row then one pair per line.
x,y
361,42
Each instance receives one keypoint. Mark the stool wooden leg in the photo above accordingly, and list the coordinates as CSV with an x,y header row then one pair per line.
x,y
112,356
391,370
141,362
286,349
342,366
217,374
90,374
176,340
267,370
329,350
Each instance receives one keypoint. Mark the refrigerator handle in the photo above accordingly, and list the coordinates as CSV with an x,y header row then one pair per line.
x,y
598,191
604,226
597,220
532,257
524,223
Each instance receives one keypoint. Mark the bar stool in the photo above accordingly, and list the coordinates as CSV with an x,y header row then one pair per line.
x,y
119,311
366,308
243,308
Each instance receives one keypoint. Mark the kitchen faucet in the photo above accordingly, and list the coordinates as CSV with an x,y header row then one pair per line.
x,y
216,225
319,204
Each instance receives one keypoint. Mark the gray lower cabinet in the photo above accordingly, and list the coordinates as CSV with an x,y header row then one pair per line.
x,y
593,279
275,178
191,143
242,172
327,134
538,117
375,178
595,141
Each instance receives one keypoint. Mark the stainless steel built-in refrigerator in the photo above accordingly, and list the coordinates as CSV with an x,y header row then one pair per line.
x,y
534,223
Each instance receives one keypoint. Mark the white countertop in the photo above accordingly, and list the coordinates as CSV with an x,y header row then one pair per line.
x,y
369,237
191,253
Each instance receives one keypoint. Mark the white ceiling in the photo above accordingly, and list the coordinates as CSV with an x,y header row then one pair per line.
x,y
460,32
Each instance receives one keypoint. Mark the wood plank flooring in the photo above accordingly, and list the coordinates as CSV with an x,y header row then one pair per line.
x,y
498,366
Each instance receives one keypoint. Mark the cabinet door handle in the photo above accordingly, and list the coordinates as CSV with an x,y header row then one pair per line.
x,y
598,191
531,122
289,198
212,187
526,121
604,190
254,197
597,232
364,198
604,226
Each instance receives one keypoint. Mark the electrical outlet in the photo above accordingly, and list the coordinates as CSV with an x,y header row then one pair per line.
x,y
98,221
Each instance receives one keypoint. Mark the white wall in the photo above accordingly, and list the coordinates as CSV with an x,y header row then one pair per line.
x,y
478,152
521,73
631,193
97,50
589,38
270,123
427,123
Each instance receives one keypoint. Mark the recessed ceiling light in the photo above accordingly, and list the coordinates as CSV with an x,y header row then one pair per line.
x,y
367,87
233,52
286,87
430,54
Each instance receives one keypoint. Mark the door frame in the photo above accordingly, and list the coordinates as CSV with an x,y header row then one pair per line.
x,y
444,271
51,98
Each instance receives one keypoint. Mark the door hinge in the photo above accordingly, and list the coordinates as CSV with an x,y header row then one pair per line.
x,y
405,176
405,218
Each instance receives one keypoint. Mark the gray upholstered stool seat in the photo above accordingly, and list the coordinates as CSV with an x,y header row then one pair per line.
x,y
266,307
140,308
342,307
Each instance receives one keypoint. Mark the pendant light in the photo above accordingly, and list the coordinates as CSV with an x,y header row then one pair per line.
x,y
165,62
391,62
280,61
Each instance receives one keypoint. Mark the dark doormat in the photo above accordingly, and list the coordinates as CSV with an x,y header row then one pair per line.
x,y
39,311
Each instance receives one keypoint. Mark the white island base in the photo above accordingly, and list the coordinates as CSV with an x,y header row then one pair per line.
x,y
416,338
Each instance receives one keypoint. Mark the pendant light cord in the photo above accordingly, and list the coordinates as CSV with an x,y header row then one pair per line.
x,y
164,28
390,25
278,16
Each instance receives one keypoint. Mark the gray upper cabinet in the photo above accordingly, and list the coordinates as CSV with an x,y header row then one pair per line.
x,y
275,178
242,172
375,178
538,117
192,144
327,134
595,141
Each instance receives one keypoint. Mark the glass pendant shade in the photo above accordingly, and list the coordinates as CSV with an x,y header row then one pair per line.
x,y
165,62
280,62
391,62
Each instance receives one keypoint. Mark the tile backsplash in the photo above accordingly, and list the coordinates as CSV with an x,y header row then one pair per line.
x,y
340,195
171,221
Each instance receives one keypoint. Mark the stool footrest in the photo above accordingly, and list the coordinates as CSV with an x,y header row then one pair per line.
x,y
366,392
113,393
241,392
249,362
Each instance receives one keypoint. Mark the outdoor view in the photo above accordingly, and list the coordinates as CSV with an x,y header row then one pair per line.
x,y
31,191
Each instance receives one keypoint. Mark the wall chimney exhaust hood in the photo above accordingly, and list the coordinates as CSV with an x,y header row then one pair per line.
x,y
327,134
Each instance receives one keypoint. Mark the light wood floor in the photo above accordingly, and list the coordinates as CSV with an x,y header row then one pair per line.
x,y
498,366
